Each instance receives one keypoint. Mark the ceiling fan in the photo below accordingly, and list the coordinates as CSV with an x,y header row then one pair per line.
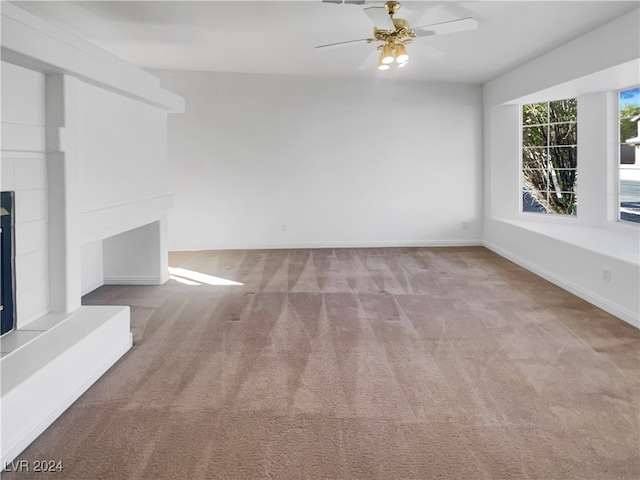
x,y
395,33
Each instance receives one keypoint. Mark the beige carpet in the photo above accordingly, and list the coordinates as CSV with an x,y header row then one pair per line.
x,y
402,363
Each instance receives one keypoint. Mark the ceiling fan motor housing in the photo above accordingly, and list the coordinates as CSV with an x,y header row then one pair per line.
x,y
401,34
400,23
392,7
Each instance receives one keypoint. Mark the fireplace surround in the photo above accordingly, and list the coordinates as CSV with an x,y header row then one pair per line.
x,y
84,150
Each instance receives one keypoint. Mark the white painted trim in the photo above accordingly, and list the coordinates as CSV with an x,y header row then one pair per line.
x,y
8,154
164,278
310,245
578,291
137,280
106,222
23,138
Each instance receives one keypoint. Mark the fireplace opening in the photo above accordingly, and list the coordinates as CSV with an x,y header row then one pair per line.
x,y
7,262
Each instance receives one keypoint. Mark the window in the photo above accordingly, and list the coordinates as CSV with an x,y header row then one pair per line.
x,y
629,171
550,157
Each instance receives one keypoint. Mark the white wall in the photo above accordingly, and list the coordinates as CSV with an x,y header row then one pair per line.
x,y
338,162
24,170
582,63
572,252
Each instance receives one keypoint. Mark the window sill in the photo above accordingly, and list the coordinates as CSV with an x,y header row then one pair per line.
x,y
622,244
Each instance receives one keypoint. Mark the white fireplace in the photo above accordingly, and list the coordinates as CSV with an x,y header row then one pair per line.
x,y
84,149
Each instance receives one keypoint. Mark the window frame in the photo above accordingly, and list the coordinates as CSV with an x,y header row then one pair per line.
x,y
618,164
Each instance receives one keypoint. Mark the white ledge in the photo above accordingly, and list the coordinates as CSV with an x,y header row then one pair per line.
x,y
49,363
624,246
106,222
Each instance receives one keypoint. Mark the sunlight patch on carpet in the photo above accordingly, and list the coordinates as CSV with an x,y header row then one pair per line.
x,y
189,277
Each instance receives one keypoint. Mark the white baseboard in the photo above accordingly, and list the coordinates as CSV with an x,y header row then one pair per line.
x,y
473,242
137,280
578,291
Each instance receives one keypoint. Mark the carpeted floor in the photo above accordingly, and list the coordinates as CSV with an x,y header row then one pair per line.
x,y
401,363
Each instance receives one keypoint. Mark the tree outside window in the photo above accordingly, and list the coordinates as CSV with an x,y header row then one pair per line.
x,y
550,157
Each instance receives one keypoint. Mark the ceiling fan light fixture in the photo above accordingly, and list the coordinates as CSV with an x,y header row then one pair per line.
x,y
386,54
402,56
383,66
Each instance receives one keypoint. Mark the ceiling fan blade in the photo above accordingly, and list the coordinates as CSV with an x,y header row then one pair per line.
x,y
380,17
343,44
371,61
427,51
453,26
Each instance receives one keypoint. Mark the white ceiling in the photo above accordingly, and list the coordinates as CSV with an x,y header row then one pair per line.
x,y
279,37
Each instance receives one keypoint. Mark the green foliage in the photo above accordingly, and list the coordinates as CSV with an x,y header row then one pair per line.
x,y
549,156
563,111
628,129
535,113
